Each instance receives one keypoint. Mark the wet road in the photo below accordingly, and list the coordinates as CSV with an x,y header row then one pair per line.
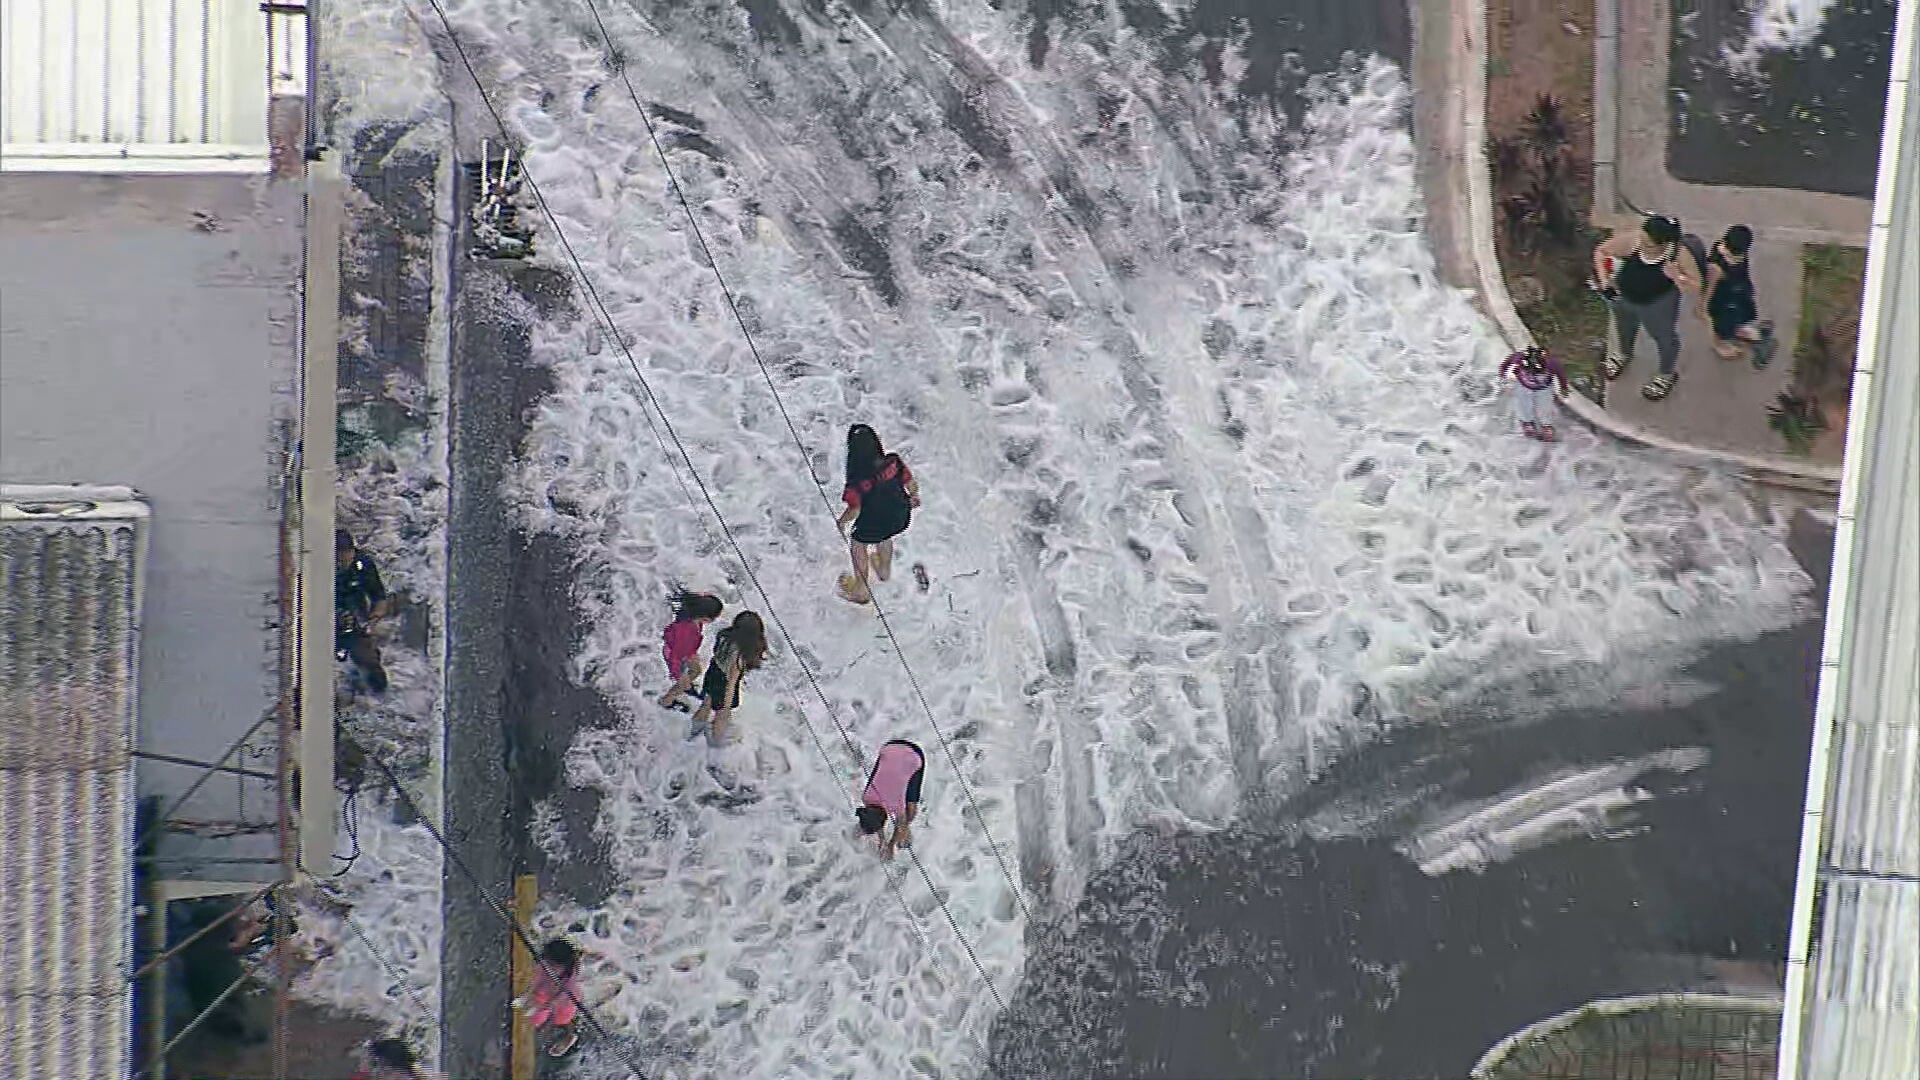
x,y
1258,952
1812,120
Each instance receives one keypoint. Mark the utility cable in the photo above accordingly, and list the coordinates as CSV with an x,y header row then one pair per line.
x,y
392,969
666,423
806,455
513,922
159,822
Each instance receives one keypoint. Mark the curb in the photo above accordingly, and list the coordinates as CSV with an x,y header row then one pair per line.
x,y
1533,1033
1772,470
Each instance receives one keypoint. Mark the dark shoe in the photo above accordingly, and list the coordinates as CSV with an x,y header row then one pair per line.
x,y
1660,385
1614,366
563,1045
1764,349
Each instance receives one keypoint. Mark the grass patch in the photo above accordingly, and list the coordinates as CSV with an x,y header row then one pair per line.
x,y
1570,322
1832,280
1833,277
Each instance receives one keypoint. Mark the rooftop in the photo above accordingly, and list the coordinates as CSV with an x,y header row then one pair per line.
x,y
70,601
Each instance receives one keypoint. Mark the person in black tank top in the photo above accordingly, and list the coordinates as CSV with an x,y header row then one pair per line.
x,y
1729,305
1650,270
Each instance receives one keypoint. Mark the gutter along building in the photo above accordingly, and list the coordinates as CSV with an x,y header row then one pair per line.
x,y
166,466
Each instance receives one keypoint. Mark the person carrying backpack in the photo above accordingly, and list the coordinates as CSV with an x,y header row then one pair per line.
x,y
880,496
1642,275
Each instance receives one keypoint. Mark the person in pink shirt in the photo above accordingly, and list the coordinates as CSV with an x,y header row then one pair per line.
x,y
554,998
893,792
692,612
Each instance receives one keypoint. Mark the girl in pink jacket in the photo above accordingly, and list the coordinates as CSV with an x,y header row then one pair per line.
x,y
681,646
554,998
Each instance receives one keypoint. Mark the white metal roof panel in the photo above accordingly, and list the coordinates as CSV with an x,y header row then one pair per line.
x,y
165,85
70,594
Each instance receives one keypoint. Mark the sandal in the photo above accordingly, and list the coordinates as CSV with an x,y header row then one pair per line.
x,y
563,1045
1660,385
1546,433
1530,429
1614,366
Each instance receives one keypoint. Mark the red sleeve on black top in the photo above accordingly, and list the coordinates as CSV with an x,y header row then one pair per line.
x,y
906,474
851,496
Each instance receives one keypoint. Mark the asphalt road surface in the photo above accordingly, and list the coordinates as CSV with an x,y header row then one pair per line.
x,y
1810,120
1258,952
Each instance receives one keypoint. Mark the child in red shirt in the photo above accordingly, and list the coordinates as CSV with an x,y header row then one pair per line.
x,y
684,635
554,998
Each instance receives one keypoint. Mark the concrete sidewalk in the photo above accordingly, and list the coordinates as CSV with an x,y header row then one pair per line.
x,y
1719,407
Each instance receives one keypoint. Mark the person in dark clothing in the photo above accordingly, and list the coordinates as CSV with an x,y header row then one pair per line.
x,y
1727,302
1642,276
880,496
740,648
359,600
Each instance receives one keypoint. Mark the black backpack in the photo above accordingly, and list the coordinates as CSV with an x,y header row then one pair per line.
x,y
884,506
1698,246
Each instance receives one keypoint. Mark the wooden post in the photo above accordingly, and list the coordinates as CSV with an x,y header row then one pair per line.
x,y
525,892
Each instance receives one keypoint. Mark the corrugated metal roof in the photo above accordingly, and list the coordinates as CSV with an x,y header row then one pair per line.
x,y
70,593
1853,987
111,85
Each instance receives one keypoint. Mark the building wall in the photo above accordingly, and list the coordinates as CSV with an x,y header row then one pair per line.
x,y
148,337
1853,968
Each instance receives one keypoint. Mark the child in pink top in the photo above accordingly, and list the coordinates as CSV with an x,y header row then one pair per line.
x,y
691,613
893,790
554,998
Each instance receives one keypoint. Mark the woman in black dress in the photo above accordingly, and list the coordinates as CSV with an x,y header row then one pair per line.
x,y
1727,302
880,496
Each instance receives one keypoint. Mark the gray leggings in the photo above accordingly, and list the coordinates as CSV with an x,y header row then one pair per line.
x,y
1661,317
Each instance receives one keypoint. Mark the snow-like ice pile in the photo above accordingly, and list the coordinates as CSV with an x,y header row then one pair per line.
x,y
1214,489
1776,26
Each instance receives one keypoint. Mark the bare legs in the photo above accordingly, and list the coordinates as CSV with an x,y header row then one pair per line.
x,y
877,556
1754,340
689,671
861,593
717,731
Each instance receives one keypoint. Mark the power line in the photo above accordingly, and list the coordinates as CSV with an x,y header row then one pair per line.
x,y
500,909
392,969
806,455
666,424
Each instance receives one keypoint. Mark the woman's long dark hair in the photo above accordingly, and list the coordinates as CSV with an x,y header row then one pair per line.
x,y
562,956
864,453
749,639
693,605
